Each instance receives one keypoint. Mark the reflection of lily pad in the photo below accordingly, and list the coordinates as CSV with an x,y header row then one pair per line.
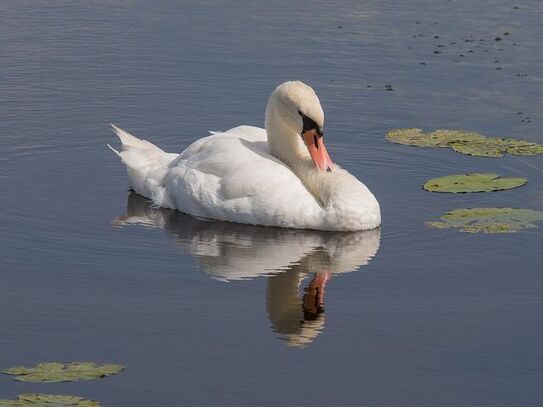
x,y
464,142
488,220
48,400
60,372
472,183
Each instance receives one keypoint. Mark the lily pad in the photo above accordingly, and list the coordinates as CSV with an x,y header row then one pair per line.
x,y
474,182
488,220
470,143
47,400
60,372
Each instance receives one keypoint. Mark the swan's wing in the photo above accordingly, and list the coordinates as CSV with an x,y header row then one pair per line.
x,y
232,176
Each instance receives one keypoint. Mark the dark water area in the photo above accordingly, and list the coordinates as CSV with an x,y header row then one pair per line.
x,y
206,313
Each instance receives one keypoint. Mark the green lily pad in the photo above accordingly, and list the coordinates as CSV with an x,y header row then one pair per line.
x,y
488,220
47,400
474,182
470,143
60,372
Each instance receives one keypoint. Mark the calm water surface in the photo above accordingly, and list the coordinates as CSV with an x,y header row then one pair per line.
x,y
207,313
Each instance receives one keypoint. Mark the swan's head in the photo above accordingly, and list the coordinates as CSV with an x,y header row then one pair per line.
x,y
295,124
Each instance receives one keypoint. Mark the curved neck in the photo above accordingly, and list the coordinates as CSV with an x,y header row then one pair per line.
x,y
284,142
287,145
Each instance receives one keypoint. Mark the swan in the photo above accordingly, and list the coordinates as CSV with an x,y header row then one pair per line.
x,y
279,176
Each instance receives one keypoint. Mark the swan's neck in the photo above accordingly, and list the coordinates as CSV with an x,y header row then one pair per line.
x,y
287,145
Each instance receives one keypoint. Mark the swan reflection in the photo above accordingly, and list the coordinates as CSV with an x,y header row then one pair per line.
x,y
230,251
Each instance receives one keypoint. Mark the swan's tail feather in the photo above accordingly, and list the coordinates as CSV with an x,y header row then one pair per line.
x,y
126,138
129,140
146,163
115,151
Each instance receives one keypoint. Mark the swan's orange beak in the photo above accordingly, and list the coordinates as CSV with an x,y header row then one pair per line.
x,y
317,150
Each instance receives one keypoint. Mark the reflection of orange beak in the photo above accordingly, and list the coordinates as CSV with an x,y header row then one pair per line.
x,y
317,150
313,301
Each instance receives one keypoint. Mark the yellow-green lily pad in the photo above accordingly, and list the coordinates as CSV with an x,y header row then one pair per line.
x,y
474,182
47,400
488,220
60,372
464,142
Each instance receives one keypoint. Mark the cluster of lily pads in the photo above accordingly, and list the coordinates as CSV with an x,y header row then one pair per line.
x,y
54,373
464,142
475,220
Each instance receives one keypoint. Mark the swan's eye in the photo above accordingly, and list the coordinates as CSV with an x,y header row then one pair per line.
x,y
309,124
300,114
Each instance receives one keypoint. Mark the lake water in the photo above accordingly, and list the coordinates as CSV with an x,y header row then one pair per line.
x,y
207,313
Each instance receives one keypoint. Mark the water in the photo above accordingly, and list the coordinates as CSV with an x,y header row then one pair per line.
x,y
205,313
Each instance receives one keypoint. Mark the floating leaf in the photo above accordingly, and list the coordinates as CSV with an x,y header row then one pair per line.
x,y
488,220
483,148
438,138
474,182
48,400
464,142
60,372
521,147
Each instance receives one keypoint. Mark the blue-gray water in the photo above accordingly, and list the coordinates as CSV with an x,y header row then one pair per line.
x,y
437,317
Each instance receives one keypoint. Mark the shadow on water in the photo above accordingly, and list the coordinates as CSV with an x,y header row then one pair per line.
x,y
230,251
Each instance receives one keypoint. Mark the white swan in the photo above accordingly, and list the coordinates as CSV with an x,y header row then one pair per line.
x,y
281,176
